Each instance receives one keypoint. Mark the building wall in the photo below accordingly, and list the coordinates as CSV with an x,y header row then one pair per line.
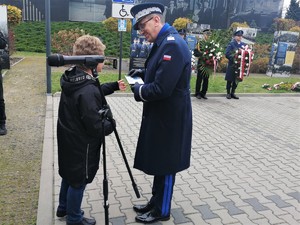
x,y
217,13
59,10
34,10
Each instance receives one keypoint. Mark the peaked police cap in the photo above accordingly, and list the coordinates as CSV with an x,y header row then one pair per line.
x,y
238,33
144,9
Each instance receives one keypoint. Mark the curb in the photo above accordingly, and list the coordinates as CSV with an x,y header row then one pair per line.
x,y
127,94
45,203
3,74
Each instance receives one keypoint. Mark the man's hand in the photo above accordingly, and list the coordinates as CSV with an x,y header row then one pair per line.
x,y
132,86
136,73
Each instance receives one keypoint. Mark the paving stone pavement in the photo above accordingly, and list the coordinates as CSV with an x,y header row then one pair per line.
x,y
244,165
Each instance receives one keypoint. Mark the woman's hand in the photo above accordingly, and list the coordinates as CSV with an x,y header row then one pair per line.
x,y
122,85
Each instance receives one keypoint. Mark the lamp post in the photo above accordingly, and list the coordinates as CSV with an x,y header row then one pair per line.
x,y
48,43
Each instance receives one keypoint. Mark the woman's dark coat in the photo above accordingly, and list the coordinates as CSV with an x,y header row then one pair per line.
x,y
164,144
79,127
229,53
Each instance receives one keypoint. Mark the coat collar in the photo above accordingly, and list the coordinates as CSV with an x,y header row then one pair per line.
x,y
164,32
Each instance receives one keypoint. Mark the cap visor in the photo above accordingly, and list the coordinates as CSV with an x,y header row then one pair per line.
x,y
136,26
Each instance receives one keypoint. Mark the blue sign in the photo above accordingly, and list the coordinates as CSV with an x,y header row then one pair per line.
x,y
192,41
122,25
124,1
281,53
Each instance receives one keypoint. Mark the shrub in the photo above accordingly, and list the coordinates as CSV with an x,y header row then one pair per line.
x,y
259,65
30,36
62,41
222,65
264,38
235,25
111,24
261,50
283,24
295,29
181,23
11,39
14,15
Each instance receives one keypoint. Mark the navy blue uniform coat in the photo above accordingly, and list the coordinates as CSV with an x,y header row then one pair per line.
x,y
231,48
164,144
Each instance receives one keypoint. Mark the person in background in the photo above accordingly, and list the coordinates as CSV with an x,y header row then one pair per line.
x,y
182,33
202,78
185,11
3,130
135,48
144,50
230,76
79,130
205,14
164,142
171,13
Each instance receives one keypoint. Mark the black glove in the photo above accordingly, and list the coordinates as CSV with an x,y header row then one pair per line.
x,y
109,126
132,86
136,73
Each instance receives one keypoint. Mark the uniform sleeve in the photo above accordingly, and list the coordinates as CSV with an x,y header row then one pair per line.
x,y
171,65
229,52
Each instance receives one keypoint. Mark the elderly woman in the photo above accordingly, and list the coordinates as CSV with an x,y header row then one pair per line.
x,y
79,130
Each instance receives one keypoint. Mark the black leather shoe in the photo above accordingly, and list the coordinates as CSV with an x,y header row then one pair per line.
x,y
62,213
234,96
85,221
228,96
198,96
149,217
203,96
143,208
3,130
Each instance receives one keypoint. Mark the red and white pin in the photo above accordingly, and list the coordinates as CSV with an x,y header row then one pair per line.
x,y
167,58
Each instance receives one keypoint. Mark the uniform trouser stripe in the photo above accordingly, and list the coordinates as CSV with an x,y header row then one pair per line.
x,y
167,195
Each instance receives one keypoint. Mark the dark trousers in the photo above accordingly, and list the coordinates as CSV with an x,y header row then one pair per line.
x,y
201,77
70,200
2,104
231,86
162,192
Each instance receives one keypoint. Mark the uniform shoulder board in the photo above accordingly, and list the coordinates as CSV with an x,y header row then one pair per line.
x,y
170,38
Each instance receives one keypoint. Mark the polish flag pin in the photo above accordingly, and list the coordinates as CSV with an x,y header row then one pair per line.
x,y
167,58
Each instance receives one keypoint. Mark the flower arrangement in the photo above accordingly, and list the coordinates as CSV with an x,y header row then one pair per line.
x,y
267,86
209,53
243,58
193,62
296,86
282,86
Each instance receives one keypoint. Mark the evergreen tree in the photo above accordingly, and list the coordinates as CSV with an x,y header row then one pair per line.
x,y
293,11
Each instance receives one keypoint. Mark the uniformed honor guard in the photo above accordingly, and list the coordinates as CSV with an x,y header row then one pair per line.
x,y
230,76
182,33
164,143
202,78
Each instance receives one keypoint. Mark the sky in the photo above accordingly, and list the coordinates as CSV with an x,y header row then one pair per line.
x,y
286,4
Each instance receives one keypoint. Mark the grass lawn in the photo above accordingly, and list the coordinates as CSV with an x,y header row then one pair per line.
x,y
251,84
217,84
